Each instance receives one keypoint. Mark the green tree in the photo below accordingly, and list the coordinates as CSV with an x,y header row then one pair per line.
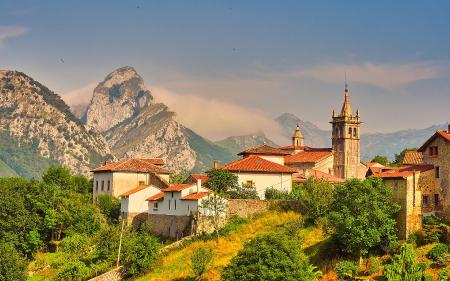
x,y
222,181
362,215
399,157
73,270
270,257
109,206
200,260
404,266
214,208
383,160
346,270
139,252
317,197
12,263
59,176
245,191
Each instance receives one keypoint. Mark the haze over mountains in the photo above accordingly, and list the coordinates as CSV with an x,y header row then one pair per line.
x,y
123,119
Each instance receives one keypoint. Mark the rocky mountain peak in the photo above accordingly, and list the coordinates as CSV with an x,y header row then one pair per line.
x,y
120,96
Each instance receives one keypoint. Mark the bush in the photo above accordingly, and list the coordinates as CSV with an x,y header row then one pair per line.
x,y
243,192
76,245
73,270
201,258
275,194
12,263
140,251
346,270
374,265
443,274
404,266
270,257
109,206
438,254
317,197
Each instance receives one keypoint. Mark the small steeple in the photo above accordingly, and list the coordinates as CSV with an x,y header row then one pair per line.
x,y
297,138
346,109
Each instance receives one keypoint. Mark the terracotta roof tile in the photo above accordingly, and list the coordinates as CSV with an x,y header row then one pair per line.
x,y
156,197
255,163
444,134
202,177
131,165
308,156
413,157
195,196
404,171
134,190
264,150
178,187
154,161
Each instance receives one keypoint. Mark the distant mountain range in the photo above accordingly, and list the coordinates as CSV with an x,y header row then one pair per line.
x,y
37,129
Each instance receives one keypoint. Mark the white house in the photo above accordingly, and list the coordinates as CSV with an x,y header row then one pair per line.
x,y
133,202
126,174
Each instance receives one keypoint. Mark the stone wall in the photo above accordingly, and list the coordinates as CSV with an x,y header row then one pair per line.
x,y
113,275
248,207
174,227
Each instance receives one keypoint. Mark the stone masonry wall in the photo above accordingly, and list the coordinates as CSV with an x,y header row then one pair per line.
x,y
112,275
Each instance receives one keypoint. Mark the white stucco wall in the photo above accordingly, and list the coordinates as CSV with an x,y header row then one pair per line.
x,y
98,179
135,203
264,181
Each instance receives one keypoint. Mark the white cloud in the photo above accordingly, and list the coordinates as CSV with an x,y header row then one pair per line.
x,y
81,96
388,76
7,32
216,119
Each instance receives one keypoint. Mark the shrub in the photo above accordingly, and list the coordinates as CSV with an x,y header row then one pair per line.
x,y
438,254
201,258
346,270
275,194
12,263
443,274
374,265
109,206
270,257
243,192
140,251
76,245
73,270
404,266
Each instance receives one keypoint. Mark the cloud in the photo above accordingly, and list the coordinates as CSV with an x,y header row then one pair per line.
x,y
7,32
388,76
217,119
81,96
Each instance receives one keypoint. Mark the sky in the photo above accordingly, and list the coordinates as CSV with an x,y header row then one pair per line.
x,y
230,67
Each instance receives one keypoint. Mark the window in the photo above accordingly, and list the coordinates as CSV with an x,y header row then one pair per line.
x,y
109,185
169,204
172,194
175,202
155,206
436,200
350,131
96,186
433,150
354,132
436,172
103,185
249,183
141,182
425,200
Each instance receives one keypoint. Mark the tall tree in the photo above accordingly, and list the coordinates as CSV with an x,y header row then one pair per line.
x,y
222,181
383,160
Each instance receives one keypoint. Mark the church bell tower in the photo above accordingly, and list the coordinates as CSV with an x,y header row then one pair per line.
x,y
297,138
346,140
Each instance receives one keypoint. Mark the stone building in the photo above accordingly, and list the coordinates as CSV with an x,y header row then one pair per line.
x,y
436,151
346,142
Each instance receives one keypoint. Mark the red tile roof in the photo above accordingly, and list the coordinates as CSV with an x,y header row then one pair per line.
x,y
154,161
131,165
308,156
443,134
257,164
312,173
195,196
178,187
156,197
413,157
202,177
264,150
404,171
134,190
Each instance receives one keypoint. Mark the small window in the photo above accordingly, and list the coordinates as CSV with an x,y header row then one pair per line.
x,y
425,200
354,132
169,204
249,183
175,203
141,182
155,206
172,194
109,185
436,172
436,200
433,150
350,131
103,185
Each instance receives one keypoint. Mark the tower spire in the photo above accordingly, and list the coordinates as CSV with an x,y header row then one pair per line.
x,y
346,109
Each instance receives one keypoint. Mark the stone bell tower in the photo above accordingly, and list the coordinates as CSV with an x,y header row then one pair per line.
x,y
297,138
346,141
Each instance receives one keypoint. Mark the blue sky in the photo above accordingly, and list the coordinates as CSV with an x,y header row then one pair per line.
x,y
250,59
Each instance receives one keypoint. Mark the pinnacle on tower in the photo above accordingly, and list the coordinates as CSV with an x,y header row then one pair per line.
x,y
346,109
297,138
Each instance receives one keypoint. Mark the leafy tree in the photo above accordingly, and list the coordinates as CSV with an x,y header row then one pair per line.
x,y
243,192
214,208
404,266
200,260
109,206
140,252
59,176
362,215
77,246
383,160
346,270
438,254
74,270
270,257
12,263
399,157
221,181
317,197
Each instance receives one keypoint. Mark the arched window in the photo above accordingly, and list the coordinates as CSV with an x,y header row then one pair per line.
x,y
350,132
354,132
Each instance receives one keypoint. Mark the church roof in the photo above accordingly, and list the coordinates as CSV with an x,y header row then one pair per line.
x,y
264,150
256,164
309,156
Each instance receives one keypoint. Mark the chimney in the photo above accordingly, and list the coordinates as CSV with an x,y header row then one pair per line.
x,y
448,129
199,185
216,164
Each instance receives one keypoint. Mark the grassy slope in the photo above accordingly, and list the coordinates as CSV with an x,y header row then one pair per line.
x,y
175,265
6,171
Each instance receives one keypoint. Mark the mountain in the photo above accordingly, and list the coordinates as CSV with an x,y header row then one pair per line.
x,y
236,144
312,134
135,125
372,144
37,129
